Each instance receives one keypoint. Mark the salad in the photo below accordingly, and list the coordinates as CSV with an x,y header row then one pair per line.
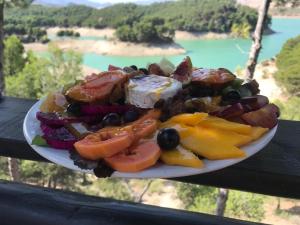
x,y
127,119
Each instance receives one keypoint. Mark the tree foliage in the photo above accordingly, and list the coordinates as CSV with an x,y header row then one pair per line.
x,y
43,75
14,59
147,30
203,199
188,15
288,64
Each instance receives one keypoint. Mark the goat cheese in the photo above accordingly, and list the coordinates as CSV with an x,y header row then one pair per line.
x,y
144,91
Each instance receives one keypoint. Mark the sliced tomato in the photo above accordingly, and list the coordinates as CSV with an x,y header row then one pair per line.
x,y
105,143
138,157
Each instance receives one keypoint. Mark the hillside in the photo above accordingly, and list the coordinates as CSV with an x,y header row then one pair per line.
x,y
188,15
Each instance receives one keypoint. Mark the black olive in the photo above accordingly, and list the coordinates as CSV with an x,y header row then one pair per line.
x,y
130,116
111,119
168,138
74,109
144,70
134,67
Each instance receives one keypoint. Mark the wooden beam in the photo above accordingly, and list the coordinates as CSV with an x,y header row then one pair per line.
x,y
274,171
29,205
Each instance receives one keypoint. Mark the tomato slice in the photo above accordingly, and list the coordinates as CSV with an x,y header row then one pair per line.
x,y
104,144
138,157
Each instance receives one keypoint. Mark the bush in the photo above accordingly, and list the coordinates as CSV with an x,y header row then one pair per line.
x,y
288,64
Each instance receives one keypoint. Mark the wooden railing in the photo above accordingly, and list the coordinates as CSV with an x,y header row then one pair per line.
x,y
273,171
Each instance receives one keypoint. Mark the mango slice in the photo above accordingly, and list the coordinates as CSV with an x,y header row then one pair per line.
x,y
215,122
257,132
205,143
229,137
181,157
190,119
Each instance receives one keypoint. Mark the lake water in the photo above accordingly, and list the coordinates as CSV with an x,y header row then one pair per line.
x,y
229,53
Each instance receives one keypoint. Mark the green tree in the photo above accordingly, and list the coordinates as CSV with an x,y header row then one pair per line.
x,y
289,110
288,64
44,75
241,30
7,3
203,199
14,59
148,30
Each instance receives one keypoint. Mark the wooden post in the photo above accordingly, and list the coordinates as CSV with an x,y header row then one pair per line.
x,y
257,37
1,48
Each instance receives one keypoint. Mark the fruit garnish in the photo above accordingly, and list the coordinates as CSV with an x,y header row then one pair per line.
x,y
252,86
254,102
54,102
183,71
212,78
113,68
111,119
136,158
264,117
168,138
144,71
131,116
59,138
105,143
74,109
181,157
54,119
154,68
99,88
230,111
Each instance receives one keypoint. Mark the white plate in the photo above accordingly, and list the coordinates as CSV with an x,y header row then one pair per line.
x,y
31,128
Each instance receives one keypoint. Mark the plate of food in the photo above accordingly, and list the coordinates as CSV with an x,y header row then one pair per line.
x,y
156,122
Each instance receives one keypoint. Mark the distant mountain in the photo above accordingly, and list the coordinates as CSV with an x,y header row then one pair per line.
x,y
61,3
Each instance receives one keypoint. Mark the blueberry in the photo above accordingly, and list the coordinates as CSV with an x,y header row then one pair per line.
x,y
74,109
134,67
168,138
144,70
130,116
111,119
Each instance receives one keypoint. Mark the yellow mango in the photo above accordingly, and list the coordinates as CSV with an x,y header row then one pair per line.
x,y
190,119
219,123
227,136
207,144
257,132
181,157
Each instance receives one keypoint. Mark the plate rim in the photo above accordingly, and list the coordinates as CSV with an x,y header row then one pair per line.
x,y
263,141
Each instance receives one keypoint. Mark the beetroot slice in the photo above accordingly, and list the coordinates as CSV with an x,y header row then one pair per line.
x,y
104,109
59,138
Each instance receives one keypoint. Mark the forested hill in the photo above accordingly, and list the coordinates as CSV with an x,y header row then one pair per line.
x,y
188,15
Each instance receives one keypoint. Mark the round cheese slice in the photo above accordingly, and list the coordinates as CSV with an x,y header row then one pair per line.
x,y
145,90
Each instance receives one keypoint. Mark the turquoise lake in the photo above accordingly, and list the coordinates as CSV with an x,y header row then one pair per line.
x,y
230,53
